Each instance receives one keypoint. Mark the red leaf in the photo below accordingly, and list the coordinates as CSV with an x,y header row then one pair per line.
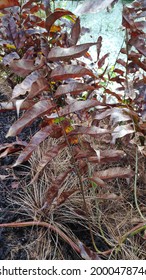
x,y
77,106
70,71
64,196
58,53
54,16
92,131
102,60
23,67
86,253
51,196
38,87
121,61
8,3
40,136
116,172
99,45
75,32
120,131
49,155
25,86
73,88
107,156
29,116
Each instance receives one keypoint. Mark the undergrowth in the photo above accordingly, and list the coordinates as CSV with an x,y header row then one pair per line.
x,y
90,137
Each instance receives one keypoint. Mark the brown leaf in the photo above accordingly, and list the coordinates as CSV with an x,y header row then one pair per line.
x,y
24,67
65,54
40,136
9,148
109,196
73,88
77,106
25,86
75,32
9,58
120,131
70,71
99,45
38,87
29,116
98,181
92,131
114,172
86,253
64,196
49,155
54,16
101,61
52,192
8,3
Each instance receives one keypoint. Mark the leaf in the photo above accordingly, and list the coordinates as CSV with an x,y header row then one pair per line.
x,y
25,86
98,181
40,136
122,62
8,3
99,45
119,115
92,131
70,71
38,87
72,88
10,148
52,192
102,60
29,116
77,106
139,44
54,16
65,54
100,156
92,7
64,196
75,32
109,196
120,131
86,253
112,173
49,155
23,67
9,58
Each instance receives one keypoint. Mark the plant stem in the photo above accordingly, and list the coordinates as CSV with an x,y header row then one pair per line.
x,y
44,224
135,185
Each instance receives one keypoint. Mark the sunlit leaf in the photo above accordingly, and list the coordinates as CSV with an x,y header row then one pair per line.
x,y
54,16
25,86
65,54
73,88
120,131
70,71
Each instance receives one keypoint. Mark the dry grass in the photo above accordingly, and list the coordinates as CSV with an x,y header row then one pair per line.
x,y
110,219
